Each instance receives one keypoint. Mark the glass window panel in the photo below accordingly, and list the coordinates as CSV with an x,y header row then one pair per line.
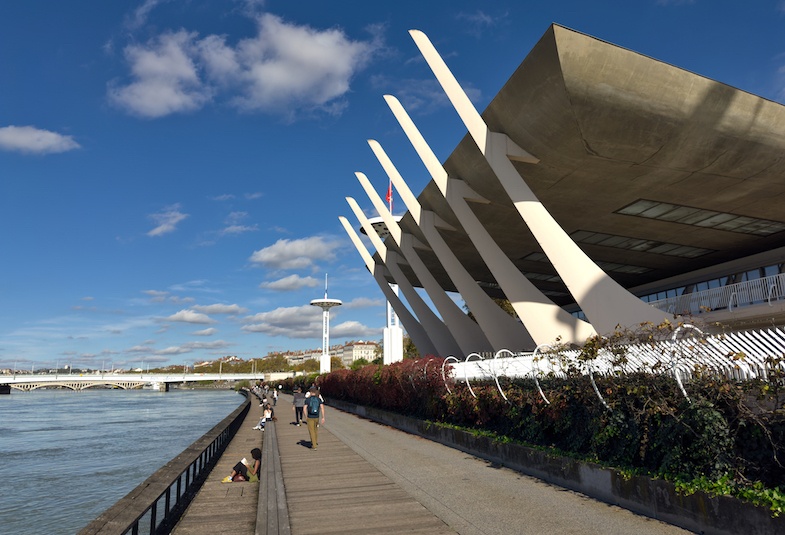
x,y
613,241
679,213
697,217
655,212
637,207
644,245
665,248
582,235
596,238
718,220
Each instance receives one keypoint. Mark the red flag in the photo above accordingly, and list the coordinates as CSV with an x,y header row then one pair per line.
x,y
389,195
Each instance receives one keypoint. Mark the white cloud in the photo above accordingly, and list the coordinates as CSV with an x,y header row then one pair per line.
x,y
165,78
287,65
290,283
189,316
283,69
220,309
192,346
294,254
354,329
364,302
31,140
292,322
167,220
205,332
239,229
139,17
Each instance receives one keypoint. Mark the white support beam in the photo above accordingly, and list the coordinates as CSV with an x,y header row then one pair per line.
x,y
545,321
413,327
466,332
605,302
434,326
501,329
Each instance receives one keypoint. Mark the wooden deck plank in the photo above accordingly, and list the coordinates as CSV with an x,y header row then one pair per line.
x,y
334,490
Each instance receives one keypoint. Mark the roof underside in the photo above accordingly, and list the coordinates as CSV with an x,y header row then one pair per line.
x,y
612,127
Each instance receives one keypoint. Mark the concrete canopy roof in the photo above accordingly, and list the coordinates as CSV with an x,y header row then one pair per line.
x,y
611,127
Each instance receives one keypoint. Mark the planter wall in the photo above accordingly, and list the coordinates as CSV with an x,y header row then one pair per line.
x,y
658,499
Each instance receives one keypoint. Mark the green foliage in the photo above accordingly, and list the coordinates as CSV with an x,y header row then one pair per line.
x,y
731,432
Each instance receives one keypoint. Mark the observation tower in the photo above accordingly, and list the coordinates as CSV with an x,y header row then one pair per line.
x,y
325,304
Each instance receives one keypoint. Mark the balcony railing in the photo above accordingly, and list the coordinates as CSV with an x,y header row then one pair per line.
x,y
755,292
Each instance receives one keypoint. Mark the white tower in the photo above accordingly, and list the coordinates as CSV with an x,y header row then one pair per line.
x,y
325,304
393,334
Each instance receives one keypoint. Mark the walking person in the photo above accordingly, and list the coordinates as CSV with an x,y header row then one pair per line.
x,y
314,408
298,406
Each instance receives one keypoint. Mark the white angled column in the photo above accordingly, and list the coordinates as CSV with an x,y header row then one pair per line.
x,y
545,321
605,302
413,327
501,329
437,330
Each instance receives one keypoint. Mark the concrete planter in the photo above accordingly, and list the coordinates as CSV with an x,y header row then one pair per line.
x,y
654,498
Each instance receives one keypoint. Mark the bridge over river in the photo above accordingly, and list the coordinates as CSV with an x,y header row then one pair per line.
x,y
160,381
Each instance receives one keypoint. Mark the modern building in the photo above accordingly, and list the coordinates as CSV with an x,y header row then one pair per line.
x,y
598,184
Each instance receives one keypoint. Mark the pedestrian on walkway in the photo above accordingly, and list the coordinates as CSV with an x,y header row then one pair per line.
x,y
298,405
314,407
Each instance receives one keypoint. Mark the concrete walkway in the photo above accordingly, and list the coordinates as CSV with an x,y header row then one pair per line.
x,y
369,478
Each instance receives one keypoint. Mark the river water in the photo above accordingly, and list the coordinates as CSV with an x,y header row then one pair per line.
x,y
67,456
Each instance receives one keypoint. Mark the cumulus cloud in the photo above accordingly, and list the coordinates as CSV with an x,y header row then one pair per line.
x,y
190,316
193,346
31,140
364,302
290,283
295,254
206,332
354,329
292,322
165,77
282,69
166,220
220,309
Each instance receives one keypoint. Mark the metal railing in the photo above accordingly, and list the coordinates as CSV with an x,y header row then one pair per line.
x,y
157,503
754,292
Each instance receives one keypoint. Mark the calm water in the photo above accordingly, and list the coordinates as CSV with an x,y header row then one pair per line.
x,y
67,456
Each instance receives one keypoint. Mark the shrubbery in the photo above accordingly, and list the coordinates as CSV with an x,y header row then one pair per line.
x,y
729,435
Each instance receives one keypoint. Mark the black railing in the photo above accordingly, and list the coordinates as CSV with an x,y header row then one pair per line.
x,y
157,503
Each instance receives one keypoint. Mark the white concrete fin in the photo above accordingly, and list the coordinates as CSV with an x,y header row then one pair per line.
x,y
416,243
513,150
381,209
460,101
464,190
369,230
427,156
409,199
358,244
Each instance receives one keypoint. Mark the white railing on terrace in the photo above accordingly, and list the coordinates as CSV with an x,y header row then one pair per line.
x,y
738,355
754,292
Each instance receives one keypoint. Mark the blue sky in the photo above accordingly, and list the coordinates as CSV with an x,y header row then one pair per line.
x,y
172,171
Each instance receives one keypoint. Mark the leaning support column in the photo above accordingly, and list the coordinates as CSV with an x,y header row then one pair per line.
x,y
545,321
503,331
413,327
465,331
605,302
437,330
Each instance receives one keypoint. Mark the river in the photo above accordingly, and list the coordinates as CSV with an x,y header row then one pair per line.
x,y
67,456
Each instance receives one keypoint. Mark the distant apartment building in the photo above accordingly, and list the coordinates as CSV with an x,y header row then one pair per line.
x,y
358,350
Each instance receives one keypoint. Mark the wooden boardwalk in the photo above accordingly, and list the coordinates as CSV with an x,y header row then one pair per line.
x,y
302,491
334,490
224,508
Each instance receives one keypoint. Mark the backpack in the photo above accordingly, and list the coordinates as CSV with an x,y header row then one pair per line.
x,y
313,403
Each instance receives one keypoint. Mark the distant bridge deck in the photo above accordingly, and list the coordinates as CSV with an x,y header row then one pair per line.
x,y
83,381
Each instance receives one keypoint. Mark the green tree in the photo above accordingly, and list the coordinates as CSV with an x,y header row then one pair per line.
x,y
273,363
359,363
336,363
409,349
